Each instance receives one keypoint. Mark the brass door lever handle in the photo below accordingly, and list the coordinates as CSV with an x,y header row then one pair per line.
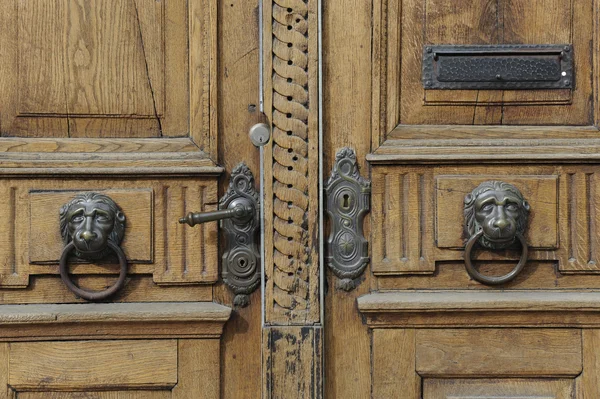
x,y
240,221
240,209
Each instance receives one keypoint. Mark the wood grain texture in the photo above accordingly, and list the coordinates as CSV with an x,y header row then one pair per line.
x,y
139,288
498,389
498,353
453,276
137,205
106,321
579,217
238,107
402,219
563,220
588,383
163,248
97,395
292,357
539,308
92,365
203,83
111,69
486,151
198,369
347,47
398,95
88,74
541,192
394,374
99,146
291,163
5,391
418,218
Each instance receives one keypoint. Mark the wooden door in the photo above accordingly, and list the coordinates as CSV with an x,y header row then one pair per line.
x,y
418,325
122,98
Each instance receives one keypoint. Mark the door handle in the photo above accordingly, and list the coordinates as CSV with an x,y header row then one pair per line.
x,y
240,209
496,215
92,226
239,217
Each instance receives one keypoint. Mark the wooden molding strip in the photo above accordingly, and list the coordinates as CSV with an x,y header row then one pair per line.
x,y
481,309
112,320
164,157
490,144
83,145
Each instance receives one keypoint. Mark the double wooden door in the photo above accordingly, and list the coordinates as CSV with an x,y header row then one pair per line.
x,y
149,103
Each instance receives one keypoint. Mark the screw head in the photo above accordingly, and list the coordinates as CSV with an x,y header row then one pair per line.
x,y
567,82
567,48
428,49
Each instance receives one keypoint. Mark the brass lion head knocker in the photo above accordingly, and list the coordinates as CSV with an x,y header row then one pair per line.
x,y
496,216
92,225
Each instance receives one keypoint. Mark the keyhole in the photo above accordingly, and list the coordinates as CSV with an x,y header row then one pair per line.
x,y
346,203
242,262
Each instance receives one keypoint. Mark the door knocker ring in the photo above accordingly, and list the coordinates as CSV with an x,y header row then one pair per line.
x,y
493,280
92,226
93,295
496,216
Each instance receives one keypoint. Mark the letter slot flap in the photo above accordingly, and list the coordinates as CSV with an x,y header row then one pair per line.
x,y
498,67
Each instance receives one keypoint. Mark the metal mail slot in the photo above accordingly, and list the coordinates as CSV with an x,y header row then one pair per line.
x,y
498,67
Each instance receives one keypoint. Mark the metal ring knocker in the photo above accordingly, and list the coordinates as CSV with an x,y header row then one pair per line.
x,y
92,225
496,215
494,280
93,295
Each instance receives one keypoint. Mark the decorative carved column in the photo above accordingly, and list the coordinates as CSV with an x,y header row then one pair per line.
x,y
292,333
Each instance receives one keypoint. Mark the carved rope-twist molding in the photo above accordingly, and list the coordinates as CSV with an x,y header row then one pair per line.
x,y
290,153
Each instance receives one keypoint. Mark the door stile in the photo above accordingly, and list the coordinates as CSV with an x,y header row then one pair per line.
x,y
292,333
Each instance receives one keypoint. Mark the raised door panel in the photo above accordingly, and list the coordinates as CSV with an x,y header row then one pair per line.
x,y
480,363
404,28
498,389
120,369
116,97
102,68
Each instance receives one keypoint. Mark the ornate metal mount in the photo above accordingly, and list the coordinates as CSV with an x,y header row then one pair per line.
x,y
92,226
496,217
239,216
348,201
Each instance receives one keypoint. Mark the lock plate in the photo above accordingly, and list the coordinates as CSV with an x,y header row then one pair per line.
x,y
348,201
241,259
504,66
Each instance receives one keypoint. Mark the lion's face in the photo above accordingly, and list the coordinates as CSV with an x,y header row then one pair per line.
x,y
90,220
498,210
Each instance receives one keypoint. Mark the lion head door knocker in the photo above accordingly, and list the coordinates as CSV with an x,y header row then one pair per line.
x,y
92,226
496,217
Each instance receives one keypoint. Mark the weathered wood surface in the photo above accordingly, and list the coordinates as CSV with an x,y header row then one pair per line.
x,y
239,108
112,320
499,352
394,370
93,365
435,309
292,362
499,388
291,162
